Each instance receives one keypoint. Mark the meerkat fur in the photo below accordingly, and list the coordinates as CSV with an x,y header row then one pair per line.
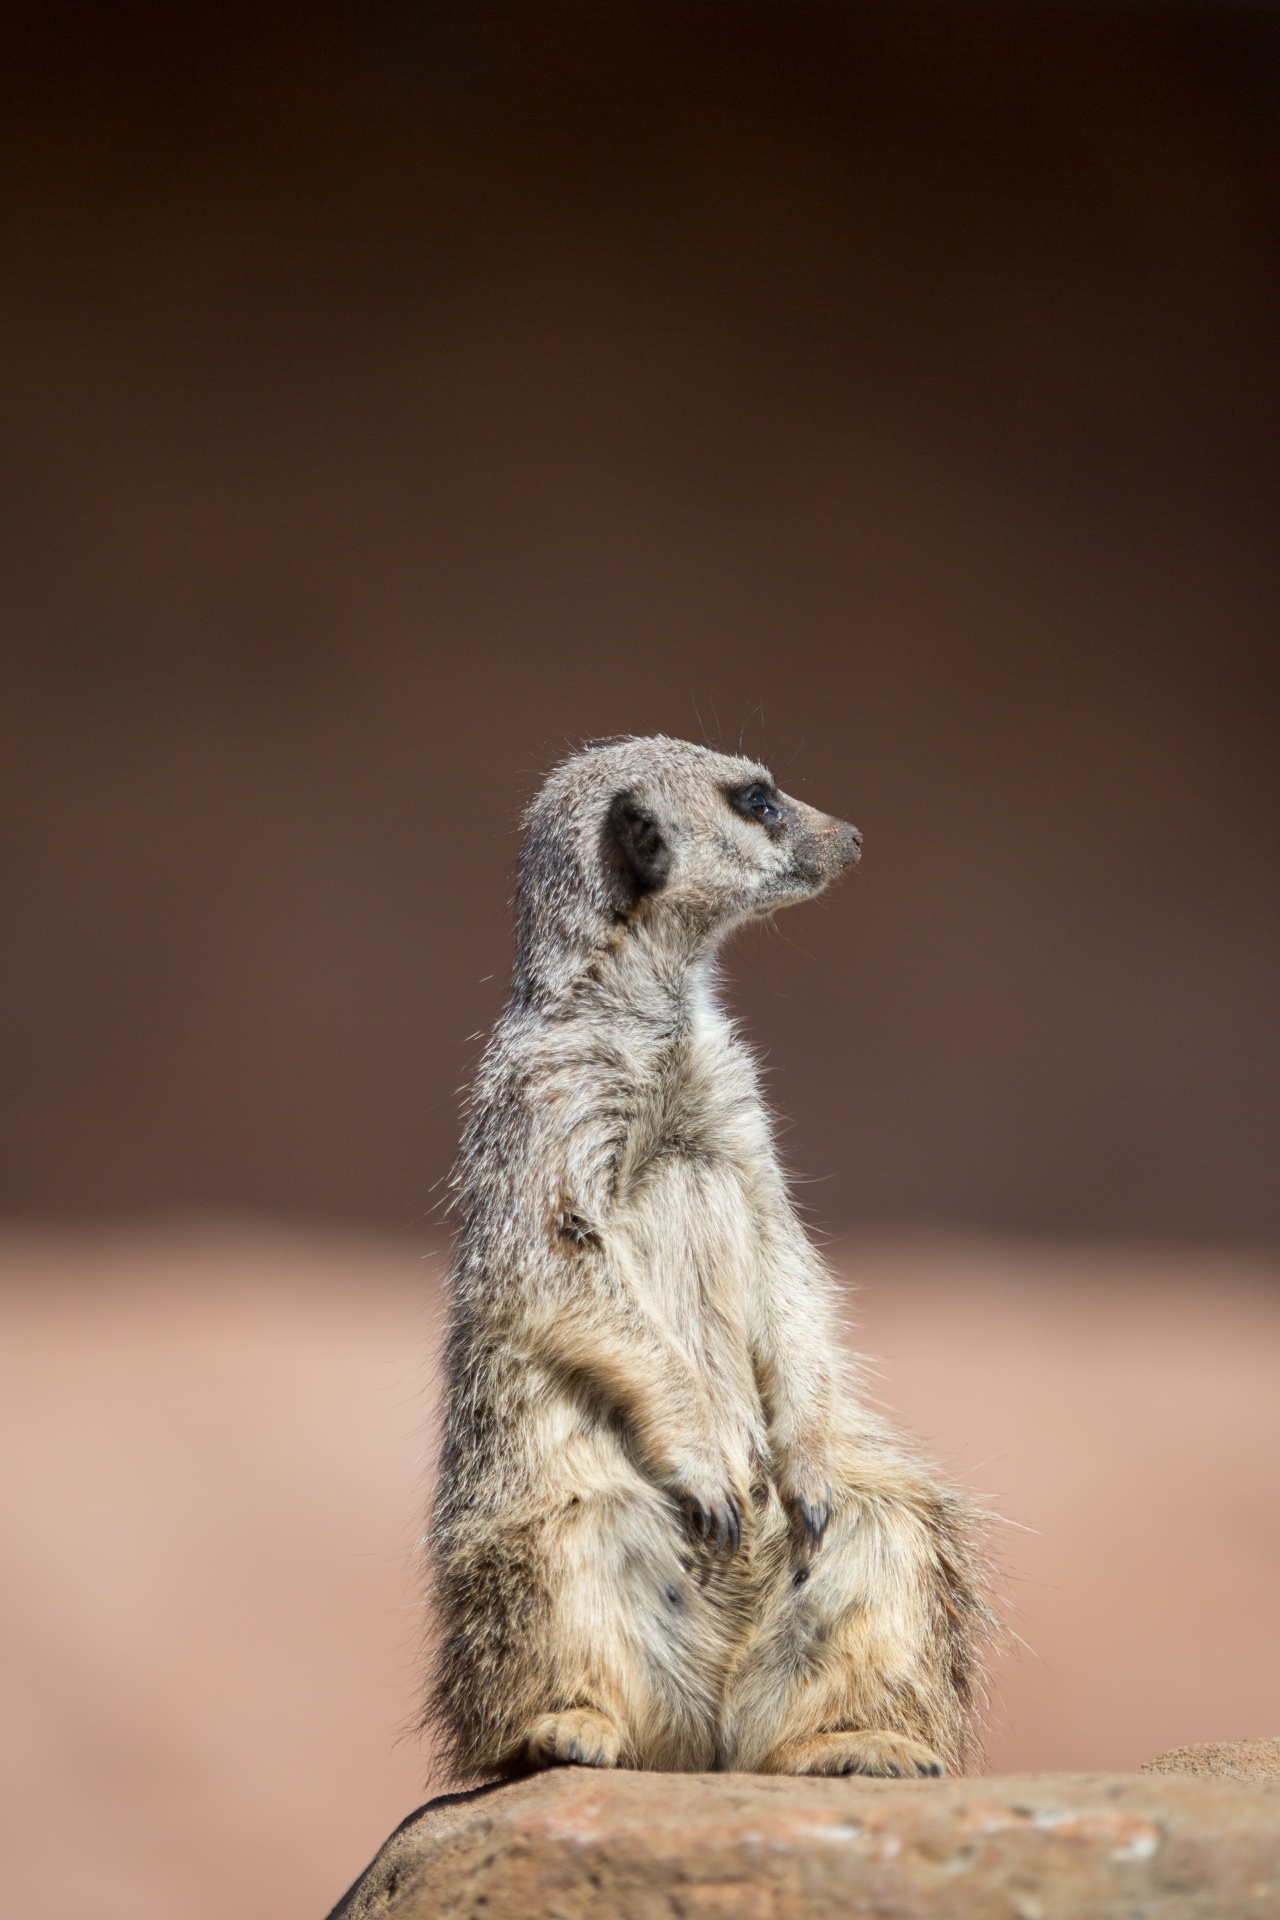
x,y
667,1534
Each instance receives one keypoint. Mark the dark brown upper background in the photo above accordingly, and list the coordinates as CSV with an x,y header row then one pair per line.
x,y
393,396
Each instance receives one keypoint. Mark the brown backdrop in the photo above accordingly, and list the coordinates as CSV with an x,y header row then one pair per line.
x,y
393,396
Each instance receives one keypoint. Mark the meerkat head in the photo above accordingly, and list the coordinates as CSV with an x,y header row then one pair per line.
x,y
668,837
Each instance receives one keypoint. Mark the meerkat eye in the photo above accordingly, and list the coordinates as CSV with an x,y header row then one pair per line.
x,y
757,802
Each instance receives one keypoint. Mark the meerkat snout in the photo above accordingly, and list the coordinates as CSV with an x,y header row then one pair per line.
x,y
814,847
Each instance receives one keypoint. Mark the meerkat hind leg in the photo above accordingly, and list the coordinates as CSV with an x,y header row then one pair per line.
x,y
855,1750
580,1737
857,1660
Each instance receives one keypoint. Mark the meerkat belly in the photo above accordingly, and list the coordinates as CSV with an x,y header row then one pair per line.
x,y
686,1239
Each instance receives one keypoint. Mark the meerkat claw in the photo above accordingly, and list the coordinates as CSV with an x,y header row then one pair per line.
x,y
719,1527
815,1516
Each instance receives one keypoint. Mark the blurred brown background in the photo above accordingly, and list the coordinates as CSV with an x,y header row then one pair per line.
x,y
392,396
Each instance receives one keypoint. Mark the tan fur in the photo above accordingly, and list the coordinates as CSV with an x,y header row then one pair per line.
x,y
667,1534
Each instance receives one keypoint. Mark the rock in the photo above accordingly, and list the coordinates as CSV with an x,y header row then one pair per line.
x,y
664,1846
1252,1760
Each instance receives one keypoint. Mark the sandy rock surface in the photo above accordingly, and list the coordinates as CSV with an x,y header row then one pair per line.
x,y
1250,1760
644,1846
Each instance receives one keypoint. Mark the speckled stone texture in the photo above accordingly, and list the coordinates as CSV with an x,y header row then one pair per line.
x,y
655,1846
1249,1760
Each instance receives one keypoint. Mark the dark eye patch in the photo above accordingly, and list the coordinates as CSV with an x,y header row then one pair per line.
x,y
757,802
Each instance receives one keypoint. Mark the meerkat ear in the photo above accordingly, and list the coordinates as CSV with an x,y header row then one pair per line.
x,y
636,855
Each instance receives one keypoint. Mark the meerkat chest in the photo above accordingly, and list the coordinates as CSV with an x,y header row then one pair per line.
x,y
689,1216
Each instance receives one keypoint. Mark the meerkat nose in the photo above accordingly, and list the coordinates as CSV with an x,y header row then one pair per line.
x,y
852,848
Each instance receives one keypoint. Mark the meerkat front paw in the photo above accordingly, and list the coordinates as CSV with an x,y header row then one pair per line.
x,y
579,1738
712,1505
813,1516
718,1526
805,1492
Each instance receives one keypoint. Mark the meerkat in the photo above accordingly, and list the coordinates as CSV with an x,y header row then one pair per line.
x,y
667,1533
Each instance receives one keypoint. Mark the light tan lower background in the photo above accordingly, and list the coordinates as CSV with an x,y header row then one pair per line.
x,y
217,1442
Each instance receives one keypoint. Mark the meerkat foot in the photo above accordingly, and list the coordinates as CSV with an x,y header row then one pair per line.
x,y
579,1738
861,1750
